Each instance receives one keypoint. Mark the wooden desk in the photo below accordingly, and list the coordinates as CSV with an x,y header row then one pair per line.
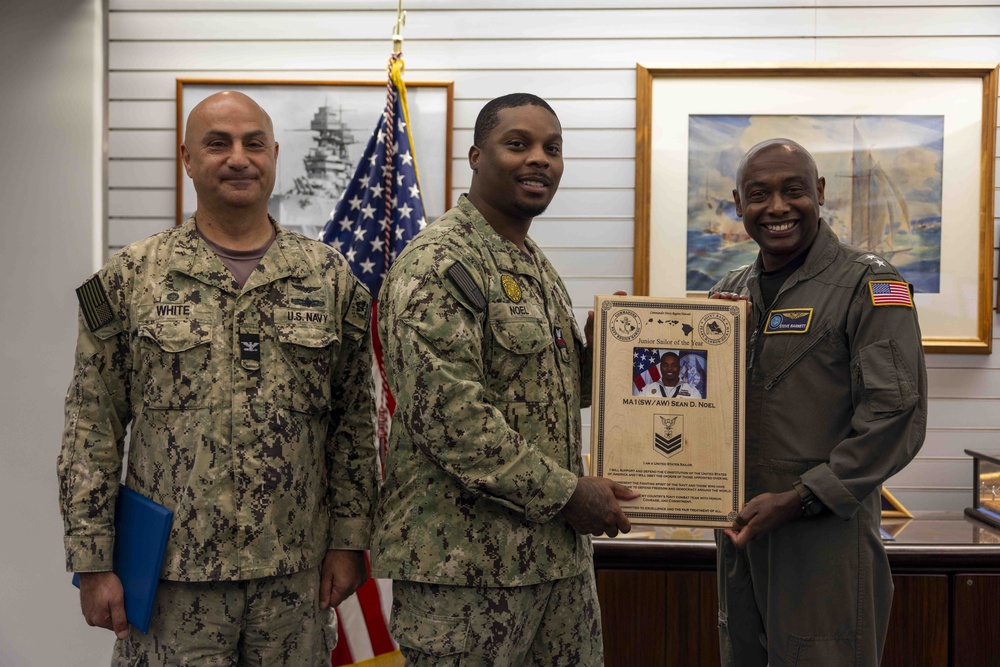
x,y
659,601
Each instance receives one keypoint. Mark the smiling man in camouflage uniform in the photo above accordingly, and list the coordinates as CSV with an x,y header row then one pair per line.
x,y
484,518
238,353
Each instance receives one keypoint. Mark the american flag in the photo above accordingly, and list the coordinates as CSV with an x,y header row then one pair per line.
x,y
377,215
645,368
381,209
890,293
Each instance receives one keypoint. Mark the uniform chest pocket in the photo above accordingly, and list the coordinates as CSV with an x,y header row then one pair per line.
x,y
813,346
519,365
303,367
177,363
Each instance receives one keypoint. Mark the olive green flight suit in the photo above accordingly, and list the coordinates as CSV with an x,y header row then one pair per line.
x,y
838,400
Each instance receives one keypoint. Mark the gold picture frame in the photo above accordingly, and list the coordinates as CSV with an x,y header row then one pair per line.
x,y
961,100
892,508
293,106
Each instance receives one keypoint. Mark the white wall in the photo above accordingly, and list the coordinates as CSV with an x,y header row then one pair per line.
x,y
50,50
580,56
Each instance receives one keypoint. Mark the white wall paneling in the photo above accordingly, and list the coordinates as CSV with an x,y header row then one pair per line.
x,y
581,56
52,115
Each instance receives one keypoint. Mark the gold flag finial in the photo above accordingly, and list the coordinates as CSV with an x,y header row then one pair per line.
x,y
397,30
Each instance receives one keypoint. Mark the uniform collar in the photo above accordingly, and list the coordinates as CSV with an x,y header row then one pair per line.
x,y
195,258
508,257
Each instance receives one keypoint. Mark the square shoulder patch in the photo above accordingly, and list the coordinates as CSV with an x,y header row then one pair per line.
x,y
890,293
359,311
94,304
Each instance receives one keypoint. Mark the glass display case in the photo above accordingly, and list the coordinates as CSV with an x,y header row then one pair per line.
x,y
985,487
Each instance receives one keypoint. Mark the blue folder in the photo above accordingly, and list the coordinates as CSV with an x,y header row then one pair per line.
x,y
141,531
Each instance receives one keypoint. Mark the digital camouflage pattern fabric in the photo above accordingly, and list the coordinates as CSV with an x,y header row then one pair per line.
x,y
251,410
267,622
438,625
485,443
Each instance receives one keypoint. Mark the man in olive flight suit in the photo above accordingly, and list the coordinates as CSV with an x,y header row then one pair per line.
x,y
836,403
484,517
238,353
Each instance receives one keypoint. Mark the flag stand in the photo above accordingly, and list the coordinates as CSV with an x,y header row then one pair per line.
x,y
379,212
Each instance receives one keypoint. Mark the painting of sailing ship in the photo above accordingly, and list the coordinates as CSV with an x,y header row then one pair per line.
x,y
883,188
322,130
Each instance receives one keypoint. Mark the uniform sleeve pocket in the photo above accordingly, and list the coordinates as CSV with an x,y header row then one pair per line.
x,y
887,383
432,635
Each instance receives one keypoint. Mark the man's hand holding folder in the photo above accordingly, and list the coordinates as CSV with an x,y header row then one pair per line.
x,y
115,600
103,601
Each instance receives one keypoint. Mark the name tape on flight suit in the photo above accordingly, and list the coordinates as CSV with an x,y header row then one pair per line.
x,y
789,321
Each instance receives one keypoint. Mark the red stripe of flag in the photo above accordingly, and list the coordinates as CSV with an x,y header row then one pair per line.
x,y
371,607
341,654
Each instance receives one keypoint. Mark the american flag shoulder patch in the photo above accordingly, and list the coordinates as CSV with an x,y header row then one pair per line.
x,y
890,293
94,304
464,282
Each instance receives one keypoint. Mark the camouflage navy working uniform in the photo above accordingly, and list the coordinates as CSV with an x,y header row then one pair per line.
x,y
840,403
251,409
489,370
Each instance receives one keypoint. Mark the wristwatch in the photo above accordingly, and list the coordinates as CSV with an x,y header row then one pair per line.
x,y
811,505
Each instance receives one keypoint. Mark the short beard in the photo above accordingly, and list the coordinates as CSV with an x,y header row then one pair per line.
x,y
530,210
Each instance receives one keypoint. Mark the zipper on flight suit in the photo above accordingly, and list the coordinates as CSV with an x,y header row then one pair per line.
x,y
760,326
753,337
784,371
762,319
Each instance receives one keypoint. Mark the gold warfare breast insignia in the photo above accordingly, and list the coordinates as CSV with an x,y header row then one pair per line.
x,y
510,288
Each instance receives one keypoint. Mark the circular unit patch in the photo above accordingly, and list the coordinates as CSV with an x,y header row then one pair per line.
x,y
714,329
625,325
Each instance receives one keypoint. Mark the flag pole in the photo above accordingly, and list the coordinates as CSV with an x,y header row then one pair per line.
x,y
378,213
396,88
397,29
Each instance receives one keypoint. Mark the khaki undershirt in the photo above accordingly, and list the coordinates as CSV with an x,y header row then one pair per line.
x,y
241,263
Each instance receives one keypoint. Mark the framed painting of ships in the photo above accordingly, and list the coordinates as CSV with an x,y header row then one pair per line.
x,y
907,152
323,128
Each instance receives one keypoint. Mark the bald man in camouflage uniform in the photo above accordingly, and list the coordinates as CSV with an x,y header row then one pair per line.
x,y
484,518
239,355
